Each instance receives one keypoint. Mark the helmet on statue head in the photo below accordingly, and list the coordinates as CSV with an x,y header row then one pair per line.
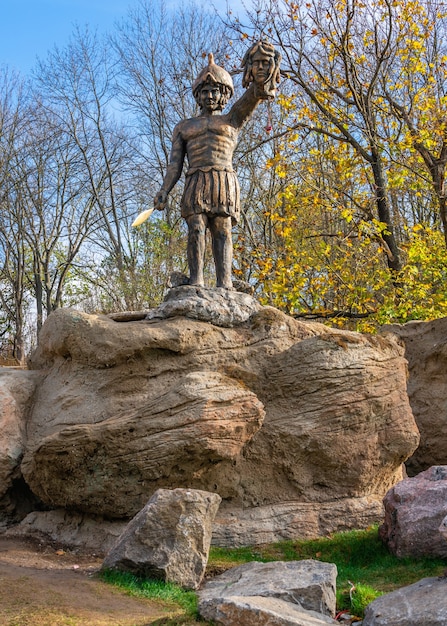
x,y
214,74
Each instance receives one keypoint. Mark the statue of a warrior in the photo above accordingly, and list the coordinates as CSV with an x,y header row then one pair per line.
x,y
211,194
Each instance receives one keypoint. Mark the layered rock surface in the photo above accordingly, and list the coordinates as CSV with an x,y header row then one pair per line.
x,y
308,583
246,611
292,424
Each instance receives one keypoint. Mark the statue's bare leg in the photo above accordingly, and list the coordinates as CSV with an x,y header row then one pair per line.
x,y
220,228
196,247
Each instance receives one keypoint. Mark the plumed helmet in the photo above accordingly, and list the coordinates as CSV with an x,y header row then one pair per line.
x,y
215,74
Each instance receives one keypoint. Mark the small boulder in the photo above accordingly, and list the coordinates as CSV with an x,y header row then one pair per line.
x,y
308,584
422,604
414,510
246,611
169,539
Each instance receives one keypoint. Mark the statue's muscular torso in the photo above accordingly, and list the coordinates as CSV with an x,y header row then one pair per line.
x,y
209,141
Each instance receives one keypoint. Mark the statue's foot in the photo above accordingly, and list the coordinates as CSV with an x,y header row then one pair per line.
x,y
196,283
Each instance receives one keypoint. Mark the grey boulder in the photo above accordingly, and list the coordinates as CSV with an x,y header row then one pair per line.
x,y
422,604
414,510
307,584
247,611
169,539
217,306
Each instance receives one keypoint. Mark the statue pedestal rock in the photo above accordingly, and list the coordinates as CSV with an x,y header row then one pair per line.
x,y
217,306
299,428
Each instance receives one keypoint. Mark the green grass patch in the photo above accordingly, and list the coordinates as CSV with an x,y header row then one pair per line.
x,y
164,592
357,599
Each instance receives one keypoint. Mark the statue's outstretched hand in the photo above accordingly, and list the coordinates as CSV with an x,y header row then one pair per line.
x,y
160,200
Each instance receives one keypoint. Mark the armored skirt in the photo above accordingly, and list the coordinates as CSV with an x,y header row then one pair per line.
x,y
211,191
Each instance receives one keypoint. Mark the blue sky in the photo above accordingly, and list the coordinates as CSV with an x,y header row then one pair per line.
x,y
29,28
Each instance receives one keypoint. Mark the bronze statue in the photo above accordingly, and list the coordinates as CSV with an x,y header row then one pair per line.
x,y
211,194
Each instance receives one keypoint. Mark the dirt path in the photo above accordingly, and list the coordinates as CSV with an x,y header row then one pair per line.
x,y
43,586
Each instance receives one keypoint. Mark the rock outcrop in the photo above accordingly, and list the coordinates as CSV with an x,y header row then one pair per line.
x,y
301,429
414,510
17,388
426,351
205,418
169,539
294,519
83,533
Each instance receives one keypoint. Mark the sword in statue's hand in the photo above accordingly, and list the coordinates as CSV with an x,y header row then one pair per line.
x,y
159,204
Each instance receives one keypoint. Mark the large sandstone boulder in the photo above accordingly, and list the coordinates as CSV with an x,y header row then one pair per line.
x,y
426,352
292,424
205,418
169,539
414,511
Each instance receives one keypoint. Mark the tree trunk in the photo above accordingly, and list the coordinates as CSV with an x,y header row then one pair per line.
x,y
437,172
38,287
384,213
